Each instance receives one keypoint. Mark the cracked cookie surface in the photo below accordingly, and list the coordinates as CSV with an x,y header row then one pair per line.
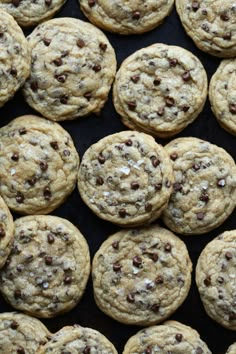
x,y
216,280
39,165
211,25
126,178
6,232
160,90
73,67
126,17
141,276
204,191
48,267
222,95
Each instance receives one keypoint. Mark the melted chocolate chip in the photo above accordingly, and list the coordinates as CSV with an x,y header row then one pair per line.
x,y
148,207
97,68
99,181
159,279
155,161
137,261
91,3
16,3
58,61
115,245
2,232
22,131
20,197
15,156
154,257
168,247
47,193
48,260
13,71
50,238
61,78
64,99
185,108
122,213
207,281
14,325
117,267
232,108
169,101
227,36
67,279
136,15
17,294
86,350
129,142
196,167
101,158
46,41
20,350
177,187
186,76
130,298
228,256
155,307
135,78
54,145
195,5
204,197
173,62
134,185
32,181
80,43
103,46
221,183
131,105
158,186
224,17
205,27
43,165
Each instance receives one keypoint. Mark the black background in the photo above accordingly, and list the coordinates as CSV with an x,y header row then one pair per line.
x,y
88,130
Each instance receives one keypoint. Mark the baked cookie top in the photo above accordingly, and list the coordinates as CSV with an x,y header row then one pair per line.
x,y
204,192
141,276
39,165
232,349
15,57
73,66
126,178
171,337
215,277
21,334
211,25
48,268
77,339
160,89
222,94
126,17
6,232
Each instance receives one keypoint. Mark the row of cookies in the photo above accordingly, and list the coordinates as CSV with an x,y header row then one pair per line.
x,y
26,335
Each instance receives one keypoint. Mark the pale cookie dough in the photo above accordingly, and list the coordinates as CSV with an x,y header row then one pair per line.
x,y
141,276
222,94
39,165
204,193
160,89
232,349
30,13
216,279
48,268
78,339
6,232
21,334
73,67
126,178
171,337
15,57
211,25
126,17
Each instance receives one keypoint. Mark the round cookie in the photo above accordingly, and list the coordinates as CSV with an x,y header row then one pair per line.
x,y
232,349
126,178
211,25
171,337
222,95
204,192
48,268
141,276
126,17
160,90
30,13
21,334
73,66
78,339
39,165
15,57
6,232
215,278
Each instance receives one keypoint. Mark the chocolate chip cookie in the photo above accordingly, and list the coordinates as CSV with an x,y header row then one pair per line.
x,y
78,339
216,279
15,57
126,17
73,66
21,334
222,94
6,232
211,25
126,178
171,337
30,13
160,90
39,165
232,349
204,192
48,267
141,276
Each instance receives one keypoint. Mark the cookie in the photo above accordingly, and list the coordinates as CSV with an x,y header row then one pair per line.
x,y
15,57
48,268
126,178
141,276
6,232
210,24
216,279
126,17
204,192
73,67
171,337
160,90
78,339
21,334
30,13
39,165
232,349
222,94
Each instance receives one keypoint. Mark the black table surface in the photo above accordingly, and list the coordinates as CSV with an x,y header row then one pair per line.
x,y
88,130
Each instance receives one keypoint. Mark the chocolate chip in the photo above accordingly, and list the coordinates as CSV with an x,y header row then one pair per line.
x,y
91,3
80,43
58,61
61,78
157,82
200,216
13,71
103,46
97,68
221,183
132,105
14,325
15,156
224,17
128,142
64,99
179,337
34,86
48,260
20,197
155,161
158,186
43,165
161,111
169,101
148,350
228,256
205,27
20,350
135,185
47,193
66,152
65,53
173,62
32,181
115,245
17,294
86,350
159,279
227,36
199,350
207,281
232,316
204,12
50,238
204,198
22,131
148,207
67,279
195,5
54,145
196,167
101,158
122,213
168,184
16,3
177,187
186,76
168,247
137,261
48,2
232,108
117,267
88,95
99,181
135,78
173,156
2,232
154,257
47,41
155,307
220,280
136,15
185,108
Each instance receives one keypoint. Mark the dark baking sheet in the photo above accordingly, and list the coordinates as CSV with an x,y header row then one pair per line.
x,y
88,130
